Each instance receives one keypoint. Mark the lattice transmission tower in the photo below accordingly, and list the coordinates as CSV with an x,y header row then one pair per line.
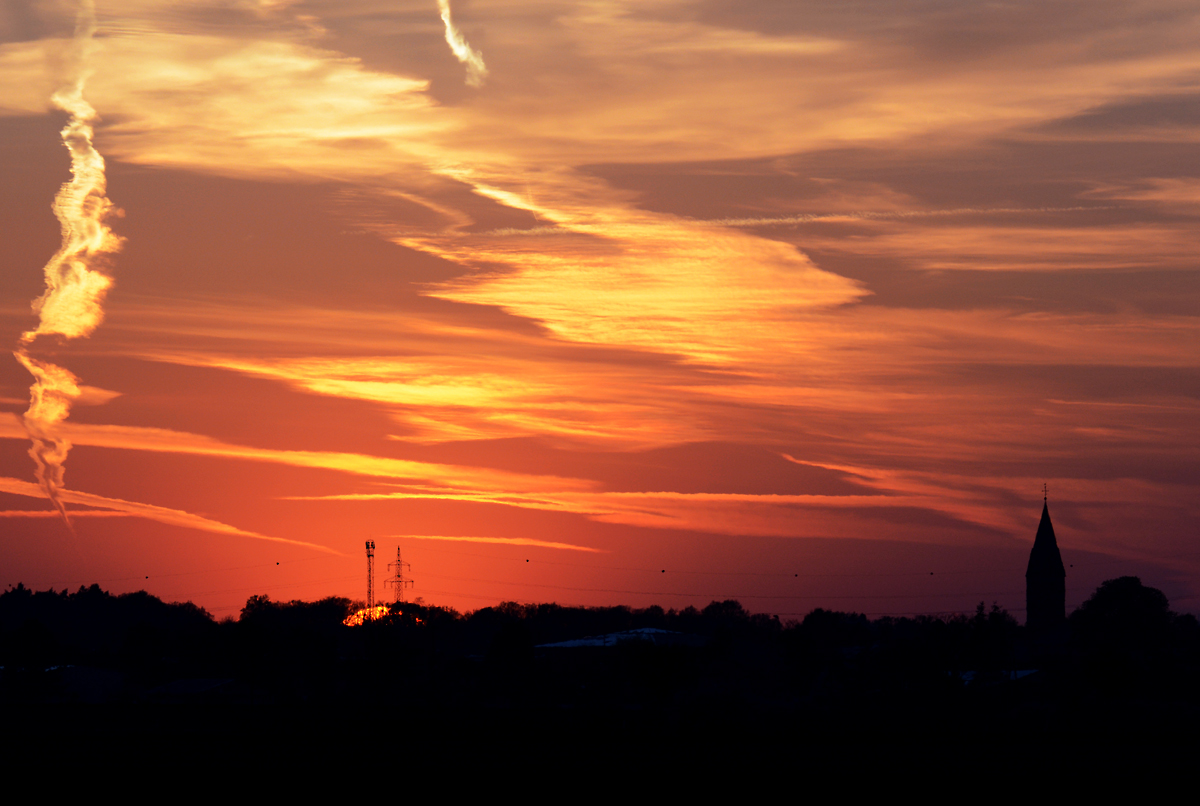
x,y
399,582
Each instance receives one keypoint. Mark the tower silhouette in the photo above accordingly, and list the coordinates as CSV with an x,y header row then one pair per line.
x,y
1045,580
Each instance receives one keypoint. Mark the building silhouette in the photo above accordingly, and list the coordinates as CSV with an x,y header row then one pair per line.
x,y
1045,581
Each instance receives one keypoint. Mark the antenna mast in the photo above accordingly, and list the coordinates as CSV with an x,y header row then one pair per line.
x,y
399,582
370,576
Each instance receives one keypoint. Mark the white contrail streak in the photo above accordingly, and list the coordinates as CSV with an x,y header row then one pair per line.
x,y
473,59
71,306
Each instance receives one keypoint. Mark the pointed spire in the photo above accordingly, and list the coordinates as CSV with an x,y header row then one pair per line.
x,y
1045,558
1045,576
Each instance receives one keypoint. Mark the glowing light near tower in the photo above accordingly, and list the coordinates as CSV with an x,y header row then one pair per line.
x,y
363,615
76,283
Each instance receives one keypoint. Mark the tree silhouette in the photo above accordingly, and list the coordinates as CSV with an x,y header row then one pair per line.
x,y
1124,612
1123,633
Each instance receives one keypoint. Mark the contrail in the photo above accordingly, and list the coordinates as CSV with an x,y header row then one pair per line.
x,y
868,215
473,59
511,541
75,280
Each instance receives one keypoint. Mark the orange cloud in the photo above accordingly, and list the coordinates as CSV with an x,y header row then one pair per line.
x,y
173,517
510,541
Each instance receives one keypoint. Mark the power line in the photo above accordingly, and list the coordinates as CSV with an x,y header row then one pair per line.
x,y
719,596
779,574
105,580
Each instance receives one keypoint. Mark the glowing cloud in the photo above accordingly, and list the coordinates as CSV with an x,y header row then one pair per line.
x,y
439,475
473,59
75,284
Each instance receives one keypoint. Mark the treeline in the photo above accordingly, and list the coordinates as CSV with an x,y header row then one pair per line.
x,y
92,646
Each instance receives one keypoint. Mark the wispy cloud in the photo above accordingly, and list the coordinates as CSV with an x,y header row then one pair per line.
x,y
473,59
75,513
171,517
167,441
510,541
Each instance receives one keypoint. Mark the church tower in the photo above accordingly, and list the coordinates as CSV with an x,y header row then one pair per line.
x,y
1045,580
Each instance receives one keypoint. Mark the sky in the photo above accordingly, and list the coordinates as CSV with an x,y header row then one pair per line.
x,y
796,302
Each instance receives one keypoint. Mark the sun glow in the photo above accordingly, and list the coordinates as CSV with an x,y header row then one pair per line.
x,y
360,617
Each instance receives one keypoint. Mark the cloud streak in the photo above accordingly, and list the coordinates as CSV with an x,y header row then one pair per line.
x,y
166,515
443,475
509,541
71,306
473,59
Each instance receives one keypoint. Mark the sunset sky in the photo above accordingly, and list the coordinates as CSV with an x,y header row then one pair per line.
x,y
797,302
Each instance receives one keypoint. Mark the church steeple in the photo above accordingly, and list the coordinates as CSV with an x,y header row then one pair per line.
x,y
1045,579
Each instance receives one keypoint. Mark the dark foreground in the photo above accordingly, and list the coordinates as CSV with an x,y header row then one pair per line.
x,y
1120,683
